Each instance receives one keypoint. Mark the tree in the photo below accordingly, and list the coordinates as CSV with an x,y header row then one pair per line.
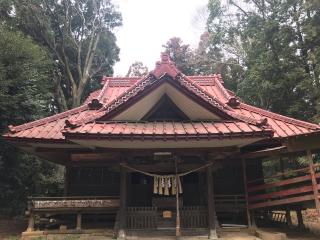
x,y
268,39
180,54
78,35
137,69
24,96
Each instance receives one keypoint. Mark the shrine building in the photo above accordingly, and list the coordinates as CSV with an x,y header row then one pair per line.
x,y
171,152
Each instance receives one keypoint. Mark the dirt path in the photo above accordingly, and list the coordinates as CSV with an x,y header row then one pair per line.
x,y
10,229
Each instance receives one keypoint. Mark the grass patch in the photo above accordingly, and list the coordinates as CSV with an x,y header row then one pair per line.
x,y
11,237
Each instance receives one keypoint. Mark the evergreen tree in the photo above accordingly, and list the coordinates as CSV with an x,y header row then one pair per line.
x,y
137,69
25,95
270,40
206,59
180,54
78,34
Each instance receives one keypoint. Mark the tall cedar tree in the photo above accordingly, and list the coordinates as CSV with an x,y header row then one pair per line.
x,y
277,44
24,96
137,69
206,59
78,34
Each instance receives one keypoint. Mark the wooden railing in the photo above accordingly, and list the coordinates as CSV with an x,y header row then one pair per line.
x,y
194,217
38,206
72,204
281,189
142,217
150,217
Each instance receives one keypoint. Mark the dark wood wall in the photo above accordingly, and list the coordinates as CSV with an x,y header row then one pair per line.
x,y
228,180
99,181
92,181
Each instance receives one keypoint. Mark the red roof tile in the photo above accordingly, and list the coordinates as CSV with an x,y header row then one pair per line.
x,y
167,130
209,88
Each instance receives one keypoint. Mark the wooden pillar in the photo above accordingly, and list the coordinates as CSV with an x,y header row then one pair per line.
x,y
123,201
300,219
30,223
314,182
66,181
178,228
288,218
79,221
244,171
211,205
31,217
253,220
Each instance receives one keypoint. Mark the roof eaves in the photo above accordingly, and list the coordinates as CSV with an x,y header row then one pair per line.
x,y
49,119
279,117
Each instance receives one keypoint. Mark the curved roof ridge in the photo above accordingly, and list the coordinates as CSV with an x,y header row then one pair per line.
x,y
103,90
105,78
194,83
166,67
108,107
218,80
48,119
278,116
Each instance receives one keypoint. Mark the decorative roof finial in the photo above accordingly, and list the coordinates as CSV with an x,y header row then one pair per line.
x,y
165,57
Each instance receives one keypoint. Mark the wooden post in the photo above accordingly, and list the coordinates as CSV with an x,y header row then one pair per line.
x,y
314,182
211,205
300,219
31,217
30,223
244,171
253,220
123,201
66,181
288,218
79,221
178,228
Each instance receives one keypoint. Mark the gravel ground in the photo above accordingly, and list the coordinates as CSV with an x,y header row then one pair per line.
x,y
10,229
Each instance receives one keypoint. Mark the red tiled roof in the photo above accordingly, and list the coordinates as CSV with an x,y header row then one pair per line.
x,y
117,90
168,130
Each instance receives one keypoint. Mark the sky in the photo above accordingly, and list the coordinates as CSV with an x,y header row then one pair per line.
x,y
148,24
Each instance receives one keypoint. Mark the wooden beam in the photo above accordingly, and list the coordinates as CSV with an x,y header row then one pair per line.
x,y
265,152
70,149
282,183
303,142
282,193
180,151
281,202
88,157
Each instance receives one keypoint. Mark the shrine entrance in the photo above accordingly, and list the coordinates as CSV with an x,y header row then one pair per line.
x,y
147,209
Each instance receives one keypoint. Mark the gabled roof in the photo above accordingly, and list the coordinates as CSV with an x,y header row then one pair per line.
x,y
166,72
118,92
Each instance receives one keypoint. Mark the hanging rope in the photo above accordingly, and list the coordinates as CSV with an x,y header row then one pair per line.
x,y
166,176
166,184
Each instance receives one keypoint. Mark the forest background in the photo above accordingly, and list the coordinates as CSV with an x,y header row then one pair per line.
x,y
54,52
